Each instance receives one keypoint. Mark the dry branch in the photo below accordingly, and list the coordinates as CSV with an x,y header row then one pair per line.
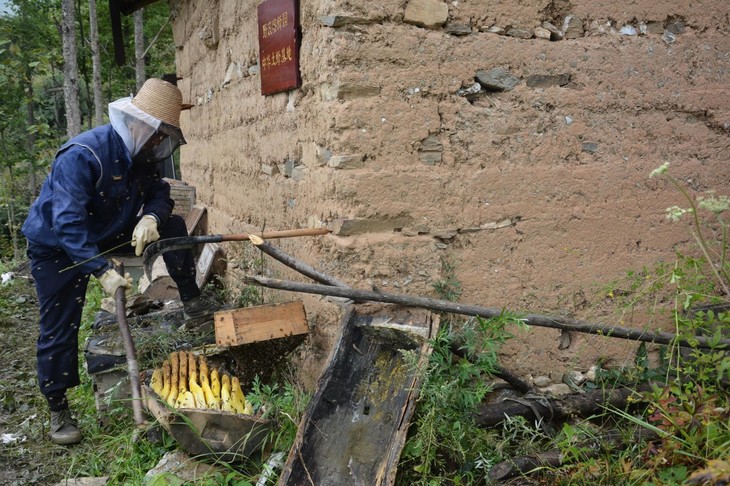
x,y
486,312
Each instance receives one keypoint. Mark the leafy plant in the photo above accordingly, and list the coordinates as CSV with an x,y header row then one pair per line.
x,y
688,410
448,288
284,403
444,442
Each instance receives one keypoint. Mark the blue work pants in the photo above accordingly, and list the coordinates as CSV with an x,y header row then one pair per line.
x,y
61,295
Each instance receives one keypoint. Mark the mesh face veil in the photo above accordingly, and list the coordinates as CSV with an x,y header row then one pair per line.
x,y
160,145
147,138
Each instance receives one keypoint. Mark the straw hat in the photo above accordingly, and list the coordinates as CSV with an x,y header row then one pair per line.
x,y
160,99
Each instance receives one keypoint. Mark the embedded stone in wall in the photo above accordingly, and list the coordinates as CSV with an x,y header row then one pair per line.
x,y
505,223
289,166
431,150
346,161
431,14
340,20
668,37
329,92
233,70
420,229
348,91
469,90
519,33
542,33
497,79
676,27
572,27
458,29
445,234
494,29
555,33
359,226
655,28
209,32
270,169
590,147
547,80
298,173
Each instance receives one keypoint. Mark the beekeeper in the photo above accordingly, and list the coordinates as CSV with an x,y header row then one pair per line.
x,y
103,190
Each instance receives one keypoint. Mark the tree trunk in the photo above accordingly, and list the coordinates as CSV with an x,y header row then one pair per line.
x,y
95,64
70,68
139,65
83,66
32,183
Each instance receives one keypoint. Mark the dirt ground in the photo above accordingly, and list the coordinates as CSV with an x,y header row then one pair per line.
x,y
26,457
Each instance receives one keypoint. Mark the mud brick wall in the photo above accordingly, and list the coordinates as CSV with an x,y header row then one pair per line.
x,y
507,145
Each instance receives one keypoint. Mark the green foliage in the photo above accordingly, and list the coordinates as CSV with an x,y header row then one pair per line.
x,y
32,124
284,403
444,442
448,288
688,411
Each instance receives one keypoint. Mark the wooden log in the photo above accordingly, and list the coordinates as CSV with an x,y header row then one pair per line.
x,y
539,320
522,465
549,408
130,350
357,421
525,465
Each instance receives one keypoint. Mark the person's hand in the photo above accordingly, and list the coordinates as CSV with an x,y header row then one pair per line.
x,y
145,232
111,281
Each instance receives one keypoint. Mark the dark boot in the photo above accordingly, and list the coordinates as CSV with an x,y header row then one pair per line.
x,y
199,310
64,430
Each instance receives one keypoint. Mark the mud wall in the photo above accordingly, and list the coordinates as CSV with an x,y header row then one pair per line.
x,y
506,146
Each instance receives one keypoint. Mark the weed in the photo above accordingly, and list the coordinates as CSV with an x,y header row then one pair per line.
x,y
448,288
444,442
284,404
689,410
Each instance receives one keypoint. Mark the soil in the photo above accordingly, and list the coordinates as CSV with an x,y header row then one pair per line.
x,y
27,457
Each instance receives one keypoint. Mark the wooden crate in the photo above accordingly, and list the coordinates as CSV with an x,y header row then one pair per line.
x,y
184,197
248,325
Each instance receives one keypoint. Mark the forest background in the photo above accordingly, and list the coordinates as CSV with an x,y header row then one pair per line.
x,y
57,75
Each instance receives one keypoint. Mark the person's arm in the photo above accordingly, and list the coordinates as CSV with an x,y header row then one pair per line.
x,y
75,173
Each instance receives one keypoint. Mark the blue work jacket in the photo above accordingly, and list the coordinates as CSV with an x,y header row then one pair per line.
x,y
94,194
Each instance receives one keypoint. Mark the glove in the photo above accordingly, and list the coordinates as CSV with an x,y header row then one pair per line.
x,y
111,281
145,232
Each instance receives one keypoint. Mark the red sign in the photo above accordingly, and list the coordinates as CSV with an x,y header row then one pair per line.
x,y
279,40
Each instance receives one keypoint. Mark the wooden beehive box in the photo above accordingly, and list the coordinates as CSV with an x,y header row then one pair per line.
x,y
248,325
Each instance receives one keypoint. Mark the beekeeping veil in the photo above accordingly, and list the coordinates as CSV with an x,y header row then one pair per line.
x,y
149,123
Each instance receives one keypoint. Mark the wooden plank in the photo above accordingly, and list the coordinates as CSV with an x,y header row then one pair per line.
x,y
194,218
237,327
204,266
356,423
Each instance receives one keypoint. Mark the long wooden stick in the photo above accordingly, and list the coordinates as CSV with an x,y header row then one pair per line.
x,y
539,320
295,264
157,248
132,365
